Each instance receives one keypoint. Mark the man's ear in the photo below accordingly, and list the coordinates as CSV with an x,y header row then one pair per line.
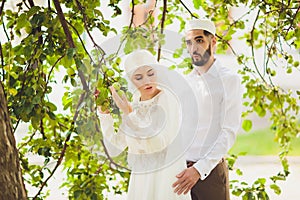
x,y
213,40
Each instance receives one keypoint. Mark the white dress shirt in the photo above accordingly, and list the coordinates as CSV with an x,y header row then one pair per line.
x,y
219,96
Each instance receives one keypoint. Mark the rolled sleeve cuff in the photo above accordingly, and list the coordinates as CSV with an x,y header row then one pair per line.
x,y
204,167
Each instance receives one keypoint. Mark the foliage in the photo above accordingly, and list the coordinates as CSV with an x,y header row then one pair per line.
x,y
42,40
261,142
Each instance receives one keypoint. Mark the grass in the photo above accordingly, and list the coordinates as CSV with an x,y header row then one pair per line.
x,y
261,142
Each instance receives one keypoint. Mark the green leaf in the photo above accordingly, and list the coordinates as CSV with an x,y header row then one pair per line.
x,y
33,10
70,53
197,3
247,125
239,172
275,188
77,194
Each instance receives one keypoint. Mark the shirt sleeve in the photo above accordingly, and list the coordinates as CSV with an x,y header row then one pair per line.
x,y
115,143
231,114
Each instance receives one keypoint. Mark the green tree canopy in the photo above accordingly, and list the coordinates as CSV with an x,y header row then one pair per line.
x,y
41,41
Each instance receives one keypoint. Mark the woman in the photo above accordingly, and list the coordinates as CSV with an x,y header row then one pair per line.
x,y
150,130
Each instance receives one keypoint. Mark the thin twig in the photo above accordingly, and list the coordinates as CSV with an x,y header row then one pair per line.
x,y
87,29
48,78
132,14
78,35
252,47
62,154
110,159
2,7
27,6
24,144
162,26
291,24
194,16
4,29
228,44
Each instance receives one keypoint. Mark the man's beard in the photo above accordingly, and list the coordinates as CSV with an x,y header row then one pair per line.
x,y
204,58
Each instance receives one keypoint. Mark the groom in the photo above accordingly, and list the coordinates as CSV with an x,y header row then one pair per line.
x,y
219,97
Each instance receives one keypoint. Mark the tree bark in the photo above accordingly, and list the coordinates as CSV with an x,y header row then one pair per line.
x,y
11,180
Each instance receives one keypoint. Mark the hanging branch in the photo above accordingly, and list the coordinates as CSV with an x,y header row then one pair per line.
x,y
1,11
132,14
2,7
110,159
252,47
62,154
162,26
194,16
292,21
69,39
78,35
129,27
87,29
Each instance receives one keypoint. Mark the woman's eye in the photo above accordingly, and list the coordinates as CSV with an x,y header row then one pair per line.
x,y
151,74
138,78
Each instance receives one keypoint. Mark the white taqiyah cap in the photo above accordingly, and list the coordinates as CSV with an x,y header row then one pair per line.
x,y
138,59
204,24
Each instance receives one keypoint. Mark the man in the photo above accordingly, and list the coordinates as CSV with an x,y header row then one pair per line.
x,y
219,96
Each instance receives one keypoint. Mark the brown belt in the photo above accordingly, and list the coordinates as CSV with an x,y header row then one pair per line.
x,y
191,163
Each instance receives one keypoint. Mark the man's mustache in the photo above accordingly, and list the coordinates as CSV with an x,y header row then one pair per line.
x,y
197,54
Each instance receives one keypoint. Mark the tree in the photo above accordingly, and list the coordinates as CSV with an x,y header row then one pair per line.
x,y
9,161
40,40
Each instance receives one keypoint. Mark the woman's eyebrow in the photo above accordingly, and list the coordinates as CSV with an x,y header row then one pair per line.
x,y
149,70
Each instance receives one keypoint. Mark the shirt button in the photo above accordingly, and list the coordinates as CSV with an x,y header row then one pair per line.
x,y
205,174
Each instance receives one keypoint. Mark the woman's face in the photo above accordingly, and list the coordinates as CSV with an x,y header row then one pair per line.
x,y
145,79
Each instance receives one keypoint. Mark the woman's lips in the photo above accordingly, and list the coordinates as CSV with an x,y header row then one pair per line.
x,y
148,88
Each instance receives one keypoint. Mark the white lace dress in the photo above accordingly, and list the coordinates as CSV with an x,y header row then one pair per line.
x,y
155,155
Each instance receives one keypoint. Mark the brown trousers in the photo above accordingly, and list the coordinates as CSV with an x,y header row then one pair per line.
x,y
215,186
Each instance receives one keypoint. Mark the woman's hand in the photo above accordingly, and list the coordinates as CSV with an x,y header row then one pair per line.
x,y
121,101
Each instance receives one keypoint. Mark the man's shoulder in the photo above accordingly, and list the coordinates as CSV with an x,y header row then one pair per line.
x,y
226,72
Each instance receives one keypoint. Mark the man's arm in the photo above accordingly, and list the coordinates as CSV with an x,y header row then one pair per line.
x,y
232,104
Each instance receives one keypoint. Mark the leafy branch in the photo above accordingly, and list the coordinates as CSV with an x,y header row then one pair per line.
x,y
69,39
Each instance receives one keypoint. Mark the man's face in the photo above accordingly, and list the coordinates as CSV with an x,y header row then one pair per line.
x,y
199,46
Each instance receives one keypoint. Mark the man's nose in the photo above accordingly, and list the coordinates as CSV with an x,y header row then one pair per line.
x,y
194,48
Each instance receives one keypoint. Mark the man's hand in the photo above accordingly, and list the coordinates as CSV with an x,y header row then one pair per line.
x,y
186,180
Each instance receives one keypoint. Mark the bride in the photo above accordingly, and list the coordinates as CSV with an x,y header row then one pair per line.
x,y
150,130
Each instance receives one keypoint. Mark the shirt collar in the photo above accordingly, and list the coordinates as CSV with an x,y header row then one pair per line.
x,y
212,71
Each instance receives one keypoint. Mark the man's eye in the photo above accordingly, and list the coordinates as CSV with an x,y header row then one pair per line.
x,y
199,40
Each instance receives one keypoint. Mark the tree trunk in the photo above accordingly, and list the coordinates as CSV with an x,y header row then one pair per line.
x,y
11,180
